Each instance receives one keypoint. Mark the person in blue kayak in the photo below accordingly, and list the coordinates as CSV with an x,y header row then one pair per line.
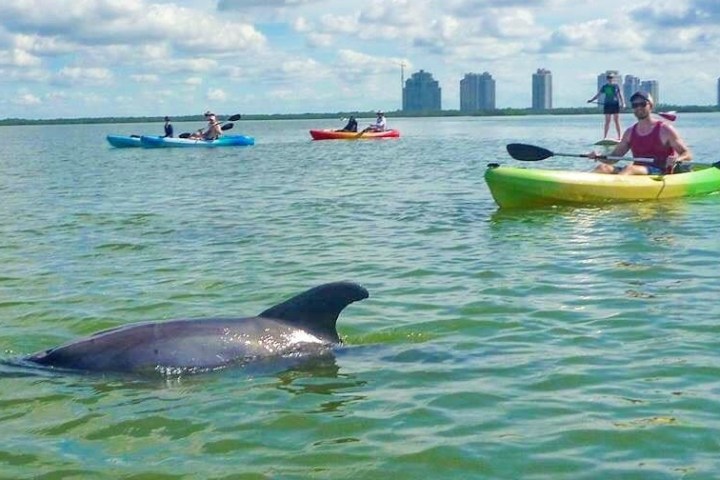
x,y
168,128
351,126
612,103
648,138
213,130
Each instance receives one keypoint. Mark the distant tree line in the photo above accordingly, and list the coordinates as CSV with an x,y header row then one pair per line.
x,y
310,116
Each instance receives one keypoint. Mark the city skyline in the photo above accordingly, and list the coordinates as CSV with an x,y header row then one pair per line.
x,y
64,58
477,91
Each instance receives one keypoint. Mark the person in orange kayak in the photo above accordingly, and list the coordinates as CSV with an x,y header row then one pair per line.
x,y
380,124
648,138
351,126
612,103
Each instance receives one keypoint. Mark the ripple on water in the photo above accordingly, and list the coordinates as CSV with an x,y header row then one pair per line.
x,y
552,343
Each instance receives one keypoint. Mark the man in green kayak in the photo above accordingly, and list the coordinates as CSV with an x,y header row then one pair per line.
x,y
649,138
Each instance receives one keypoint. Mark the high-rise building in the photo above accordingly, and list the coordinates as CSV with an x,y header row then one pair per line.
x,y
542,89
652,87
477,92
421,93
630,86
718,92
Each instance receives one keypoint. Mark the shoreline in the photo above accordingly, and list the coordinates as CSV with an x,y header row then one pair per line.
x,y
309,116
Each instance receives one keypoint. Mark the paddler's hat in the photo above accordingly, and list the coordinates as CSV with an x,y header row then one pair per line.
x,y
209,114
644,95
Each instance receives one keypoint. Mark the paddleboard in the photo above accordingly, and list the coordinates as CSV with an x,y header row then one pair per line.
x,y
607,142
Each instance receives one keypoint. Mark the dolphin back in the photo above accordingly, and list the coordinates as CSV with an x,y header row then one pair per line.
x,y
202,344
317,309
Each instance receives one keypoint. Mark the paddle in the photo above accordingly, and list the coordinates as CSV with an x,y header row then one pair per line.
x,y
362,132
671,115
531,153
225,127
231,118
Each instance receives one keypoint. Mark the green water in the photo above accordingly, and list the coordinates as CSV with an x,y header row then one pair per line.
x,y
545,344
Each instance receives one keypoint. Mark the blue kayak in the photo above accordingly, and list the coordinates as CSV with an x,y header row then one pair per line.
x,y
148,141
124,141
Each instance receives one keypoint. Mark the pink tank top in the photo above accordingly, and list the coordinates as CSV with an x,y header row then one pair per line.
x,y
651,146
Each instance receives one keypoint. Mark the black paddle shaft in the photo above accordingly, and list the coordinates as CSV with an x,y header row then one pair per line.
x,y
532,153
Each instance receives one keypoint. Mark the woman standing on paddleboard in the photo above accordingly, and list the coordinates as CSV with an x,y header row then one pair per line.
x,y
612,103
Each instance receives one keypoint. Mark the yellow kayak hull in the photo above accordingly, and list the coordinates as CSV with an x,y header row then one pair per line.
x,y
514,187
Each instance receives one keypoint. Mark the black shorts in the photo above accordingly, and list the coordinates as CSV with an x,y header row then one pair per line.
x,y
610,108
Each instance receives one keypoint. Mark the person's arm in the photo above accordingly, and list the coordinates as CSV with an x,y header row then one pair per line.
x,y
672,138
620,149
624,146
595,97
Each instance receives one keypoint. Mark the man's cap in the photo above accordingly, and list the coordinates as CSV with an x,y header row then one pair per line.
x,y
644,95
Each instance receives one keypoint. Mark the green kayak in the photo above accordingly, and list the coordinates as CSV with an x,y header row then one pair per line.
x,y
514,187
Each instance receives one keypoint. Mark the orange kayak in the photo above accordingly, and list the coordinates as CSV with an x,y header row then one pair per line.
x,y
335,135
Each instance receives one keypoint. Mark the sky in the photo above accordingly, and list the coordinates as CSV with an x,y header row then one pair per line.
x,y
99,58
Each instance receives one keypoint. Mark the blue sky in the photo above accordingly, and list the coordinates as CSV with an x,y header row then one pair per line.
x,y
89,58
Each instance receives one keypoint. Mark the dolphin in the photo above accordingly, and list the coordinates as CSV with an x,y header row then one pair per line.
x,y
304,325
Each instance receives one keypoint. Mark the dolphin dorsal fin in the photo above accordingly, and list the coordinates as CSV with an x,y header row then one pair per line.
x,y
317,310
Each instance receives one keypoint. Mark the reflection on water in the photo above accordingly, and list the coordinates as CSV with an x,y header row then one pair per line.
x,y
321,376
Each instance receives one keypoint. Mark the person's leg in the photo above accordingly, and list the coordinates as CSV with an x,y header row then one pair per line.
x,y
617,124
633,169
604,168
607,126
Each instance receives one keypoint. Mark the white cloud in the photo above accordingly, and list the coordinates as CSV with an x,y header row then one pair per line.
x,y
18,58
216,95
147,78
328,55
27,99
80,76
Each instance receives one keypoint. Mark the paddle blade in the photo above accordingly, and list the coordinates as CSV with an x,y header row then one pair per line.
x,y
672,116
234,118
528,153
227,126
184,135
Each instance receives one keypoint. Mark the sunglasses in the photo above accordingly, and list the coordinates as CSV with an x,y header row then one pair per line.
x,y
639,104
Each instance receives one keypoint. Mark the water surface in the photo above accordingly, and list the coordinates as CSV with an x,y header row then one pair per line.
x,y
540,344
